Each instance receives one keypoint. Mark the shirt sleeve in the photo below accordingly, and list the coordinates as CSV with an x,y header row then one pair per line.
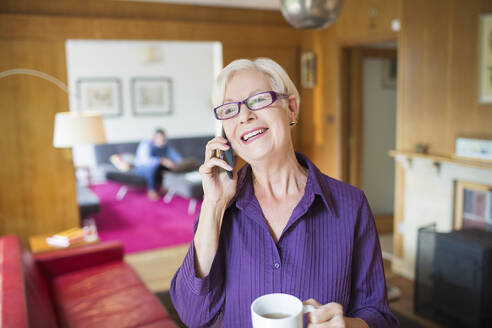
x,y
368,299
198,301
173,155
144,155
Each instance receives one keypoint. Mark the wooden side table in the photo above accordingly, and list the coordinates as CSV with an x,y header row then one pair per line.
x,y
38,244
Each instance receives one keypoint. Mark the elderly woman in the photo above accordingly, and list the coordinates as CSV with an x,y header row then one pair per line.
x,y
279,225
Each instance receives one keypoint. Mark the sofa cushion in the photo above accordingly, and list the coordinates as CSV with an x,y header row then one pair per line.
x,y
128,178
110,295
14,312
24,290
124,162
186,185
103,152
39,303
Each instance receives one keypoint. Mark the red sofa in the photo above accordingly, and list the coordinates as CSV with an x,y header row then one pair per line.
x,y
89,286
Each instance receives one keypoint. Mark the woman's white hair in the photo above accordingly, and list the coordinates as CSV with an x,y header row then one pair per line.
x,y
279,79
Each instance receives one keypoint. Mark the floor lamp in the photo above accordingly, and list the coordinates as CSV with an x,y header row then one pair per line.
x,y
70,128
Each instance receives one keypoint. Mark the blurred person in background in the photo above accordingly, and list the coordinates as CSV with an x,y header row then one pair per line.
x,y
153,158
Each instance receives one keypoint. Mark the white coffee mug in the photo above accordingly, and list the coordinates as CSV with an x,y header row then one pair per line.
x,y
278,311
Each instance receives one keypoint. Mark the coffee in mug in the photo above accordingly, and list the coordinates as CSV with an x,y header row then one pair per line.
x,y
275,315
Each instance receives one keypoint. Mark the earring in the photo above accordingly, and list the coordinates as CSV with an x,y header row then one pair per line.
x,y
292,123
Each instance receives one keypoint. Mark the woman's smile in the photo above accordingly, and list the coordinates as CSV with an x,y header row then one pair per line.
x,y
253,135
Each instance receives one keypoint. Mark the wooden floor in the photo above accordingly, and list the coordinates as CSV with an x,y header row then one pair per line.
x,y
157,268
384,223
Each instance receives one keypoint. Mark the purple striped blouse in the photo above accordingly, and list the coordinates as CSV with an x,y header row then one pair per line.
x,y
328,251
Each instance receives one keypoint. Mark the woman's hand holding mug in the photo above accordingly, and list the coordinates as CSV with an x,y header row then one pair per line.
x,y
330,316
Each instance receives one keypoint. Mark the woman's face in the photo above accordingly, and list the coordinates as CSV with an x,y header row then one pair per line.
x,y
272,122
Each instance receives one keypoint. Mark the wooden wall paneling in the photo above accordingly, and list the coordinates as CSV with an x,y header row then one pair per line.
x,y
10,171
306,121
142,10
287,57
318,121
355,141
39,184
398,220
328,153
464,74
435,78
463,48
311,108
345,81
439,42
55,28
355,26
485,6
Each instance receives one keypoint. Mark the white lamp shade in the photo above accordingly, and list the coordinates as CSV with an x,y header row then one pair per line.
x,y
73,128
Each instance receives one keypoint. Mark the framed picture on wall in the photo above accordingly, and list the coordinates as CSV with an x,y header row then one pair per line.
x,y
473,206
101,95
308,70
151,96
485,60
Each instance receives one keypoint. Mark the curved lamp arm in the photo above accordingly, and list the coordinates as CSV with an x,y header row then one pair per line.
x,y
71,128
26,71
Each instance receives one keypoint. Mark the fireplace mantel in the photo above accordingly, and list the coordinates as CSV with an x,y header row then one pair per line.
x,y
429,196
407,156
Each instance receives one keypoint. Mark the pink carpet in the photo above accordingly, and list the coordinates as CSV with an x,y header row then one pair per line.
x,y
139,223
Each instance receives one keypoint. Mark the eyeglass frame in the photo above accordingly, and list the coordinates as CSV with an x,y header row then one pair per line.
x,y
275,96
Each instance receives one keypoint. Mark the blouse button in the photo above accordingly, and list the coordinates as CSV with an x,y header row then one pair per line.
x,y
276,265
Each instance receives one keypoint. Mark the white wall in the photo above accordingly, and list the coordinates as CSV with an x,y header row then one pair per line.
x,y
192,67
378,137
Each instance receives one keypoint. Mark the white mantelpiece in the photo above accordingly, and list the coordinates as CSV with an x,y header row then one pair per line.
x,y
429,197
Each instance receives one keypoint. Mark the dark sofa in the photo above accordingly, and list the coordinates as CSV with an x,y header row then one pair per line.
x,y
190,148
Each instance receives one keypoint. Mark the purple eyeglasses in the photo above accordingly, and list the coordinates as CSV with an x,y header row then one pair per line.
x,y
255,102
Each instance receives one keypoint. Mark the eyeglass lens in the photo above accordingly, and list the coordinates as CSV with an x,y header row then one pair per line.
x,y
254,102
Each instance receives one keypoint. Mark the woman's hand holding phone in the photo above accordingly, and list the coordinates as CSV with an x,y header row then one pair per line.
x,y
217,185
218,190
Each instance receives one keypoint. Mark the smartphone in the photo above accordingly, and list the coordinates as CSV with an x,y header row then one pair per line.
x,y
227,155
